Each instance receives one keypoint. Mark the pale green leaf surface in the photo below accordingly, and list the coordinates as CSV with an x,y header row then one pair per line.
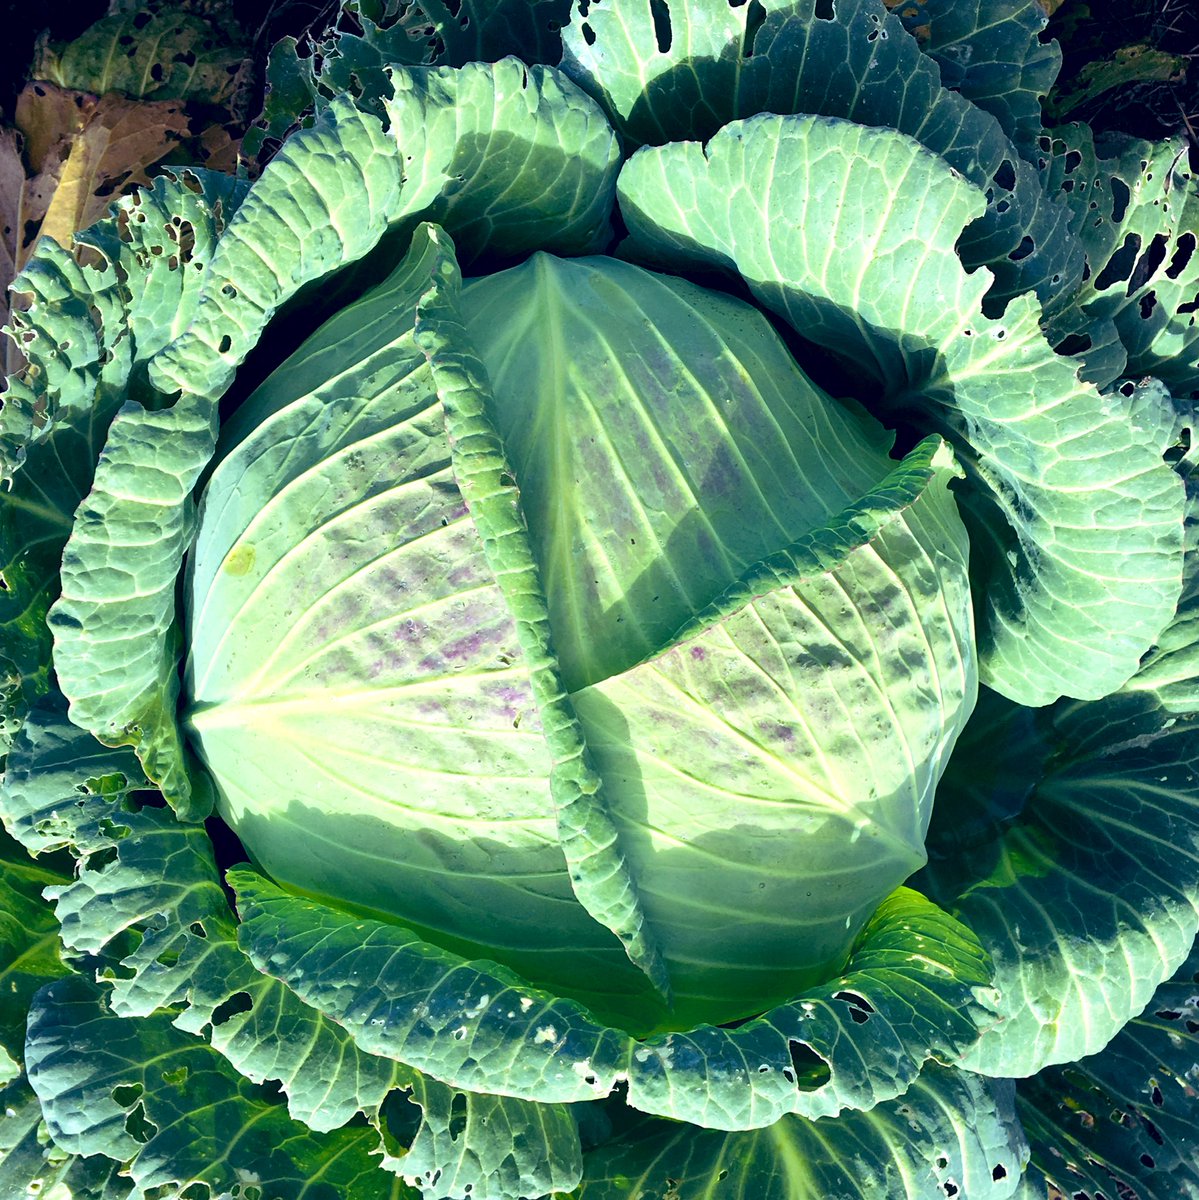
x,y
664,441
323,201
914,986
145,1091
1072,489
950,1134
507,158
1170,671
1079,873
794,658
653,478
501,152
1128,1115
719,62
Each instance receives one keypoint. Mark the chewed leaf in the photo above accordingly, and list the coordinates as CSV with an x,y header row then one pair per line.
x,y
334,189
990,51
84,327
354,55
145,1093
153,52
475,1146
1127,1117
32,1165
951,1134
1078,562
670,72
84,332
35,522
30,948
1136,214
915,985
64,790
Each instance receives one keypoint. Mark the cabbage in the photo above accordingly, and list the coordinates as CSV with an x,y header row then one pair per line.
x,y
619,623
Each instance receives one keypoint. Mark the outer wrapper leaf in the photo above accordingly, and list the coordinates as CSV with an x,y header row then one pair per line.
x,y
86,333
950,1134
35,522
312,211
30,949
1080,519
1125,1118
481,1027
1080,871
353,56
763,621
32,1165
992,53
85,328
669,72
142,1090
1135,216
114,624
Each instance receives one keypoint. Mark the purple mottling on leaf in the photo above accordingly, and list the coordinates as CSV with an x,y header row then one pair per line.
x,y
698,653
465,575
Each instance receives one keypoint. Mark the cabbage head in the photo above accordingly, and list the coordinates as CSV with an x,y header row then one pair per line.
x,y
678,590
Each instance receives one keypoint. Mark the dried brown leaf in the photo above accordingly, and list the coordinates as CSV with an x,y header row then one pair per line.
x,y
81,151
